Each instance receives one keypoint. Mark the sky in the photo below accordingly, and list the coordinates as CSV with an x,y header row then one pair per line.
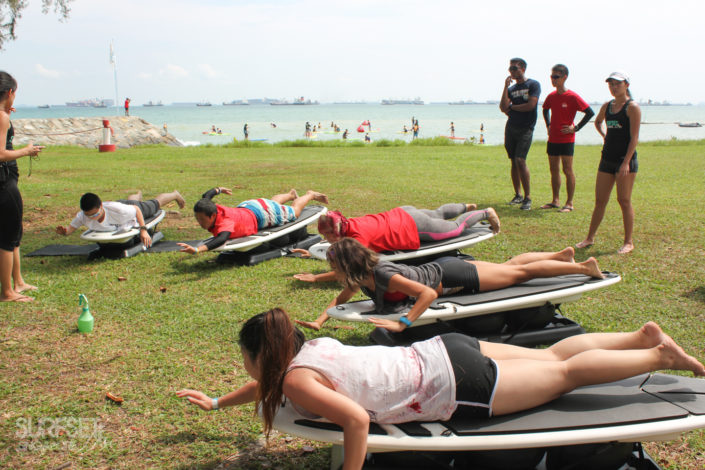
x,y
218,50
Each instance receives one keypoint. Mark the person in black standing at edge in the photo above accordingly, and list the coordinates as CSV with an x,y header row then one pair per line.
x,y
519,102
246,131
11,199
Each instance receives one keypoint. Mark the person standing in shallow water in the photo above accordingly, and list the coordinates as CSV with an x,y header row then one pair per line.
x,y
11,208
519,102
618,165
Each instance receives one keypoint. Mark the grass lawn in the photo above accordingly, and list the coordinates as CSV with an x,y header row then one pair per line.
x,y
148,344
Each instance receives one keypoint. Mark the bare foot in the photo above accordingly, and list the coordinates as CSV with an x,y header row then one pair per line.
x,y
675,358
135,197
585,243
626,248
470,207
308,324
17,298
653,334
24,287
493,219
293,194
180,200
320,197
593,269
566,254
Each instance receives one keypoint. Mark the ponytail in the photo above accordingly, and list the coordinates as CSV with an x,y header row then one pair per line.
x,y
271,341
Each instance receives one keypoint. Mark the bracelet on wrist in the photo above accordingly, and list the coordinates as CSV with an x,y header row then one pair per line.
x,y
214,402
143,227
405,320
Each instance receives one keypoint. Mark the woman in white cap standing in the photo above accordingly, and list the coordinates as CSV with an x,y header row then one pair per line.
x,y
622,117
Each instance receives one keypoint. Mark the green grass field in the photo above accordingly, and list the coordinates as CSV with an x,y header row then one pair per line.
x,y
148,344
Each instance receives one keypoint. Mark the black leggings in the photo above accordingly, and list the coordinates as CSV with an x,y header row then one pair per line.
x,y
475,376
11,215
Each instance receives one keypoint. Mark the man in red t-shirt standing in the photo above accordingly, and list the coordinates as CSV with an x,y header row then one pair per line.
x,y
559,110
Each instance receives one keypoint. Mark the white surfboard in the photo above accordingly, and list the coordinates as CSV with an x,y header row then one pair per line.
x,y
121,236
537,292
644,408
474,234
308,215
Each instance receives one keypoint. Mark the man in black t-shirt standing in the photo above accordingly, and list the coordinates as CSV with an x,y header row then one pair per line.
x,y
519,104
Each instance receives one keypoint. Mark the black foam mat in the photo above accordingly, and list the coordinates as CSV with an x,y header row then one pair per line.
x,y
535,286
616,403
87,250
684,392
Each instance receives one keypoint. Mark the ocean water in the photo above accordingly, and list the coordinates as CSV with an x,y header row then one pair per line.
x,y
188,123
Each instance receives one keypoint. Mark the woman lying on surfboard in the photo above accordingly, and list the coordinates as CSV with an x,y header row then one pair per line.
x,y
402,228
462,377
387,284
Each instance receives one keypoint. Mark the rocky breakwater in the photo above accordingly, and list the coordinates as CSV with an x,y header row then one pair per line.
x,y
87,132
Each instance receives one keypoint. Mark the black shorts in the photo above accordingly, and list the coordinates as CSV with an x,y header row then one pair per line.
x,y
612,166
517,142
560,149
11,209
475,376
459,273
149,208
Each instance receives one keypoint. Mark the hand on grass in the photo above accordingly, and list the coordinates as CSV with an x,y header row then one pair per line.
x,y
61,230
200,399
305,277
393,326
186,248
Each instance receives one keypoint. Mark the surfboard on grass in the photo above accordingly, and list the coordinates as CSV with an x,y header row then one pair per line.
x,y
122,236
474,234
534,293
644,408
308,215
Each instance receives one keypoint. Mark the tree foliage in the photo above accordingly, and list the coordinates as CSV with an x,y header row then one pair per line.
x,y
11,12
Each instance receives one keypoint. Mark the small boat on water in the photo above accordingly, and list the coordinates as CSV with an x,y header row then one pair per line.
x,y
43,106
689,124
236,103
151,103
204,103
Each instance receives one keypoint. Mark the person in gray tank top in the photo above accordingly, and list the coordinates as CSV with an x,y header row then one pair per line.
x,y
394,287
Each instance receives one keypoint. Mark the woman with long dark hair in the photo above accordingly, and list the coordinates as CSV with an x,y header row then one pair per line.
x,y
393,286
10,199
618,165
353,385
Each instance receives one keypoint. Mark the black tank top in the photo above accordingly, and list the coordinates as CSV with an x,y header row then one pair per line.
x,y
618,133
11,165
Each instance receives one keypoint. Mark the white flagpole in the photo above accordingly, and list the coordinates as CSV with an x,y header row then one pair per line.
x,y
113,61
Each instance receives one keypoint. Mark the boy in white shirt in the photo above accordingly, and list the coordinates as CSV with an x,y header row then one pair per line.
x,y
123,214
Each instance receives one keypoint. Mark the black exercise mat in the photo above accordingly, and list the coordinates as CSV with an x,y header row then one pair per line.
x,y
616,403
87,250
64,250
535,286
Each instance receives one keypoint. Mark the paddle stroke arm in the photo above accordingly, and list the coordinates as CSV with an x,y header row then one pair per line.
x,y
242,395
424,296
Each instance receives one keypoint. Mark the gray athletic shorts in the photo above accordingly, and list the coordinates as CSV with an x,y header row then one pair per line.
x,y
517,142
149,208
